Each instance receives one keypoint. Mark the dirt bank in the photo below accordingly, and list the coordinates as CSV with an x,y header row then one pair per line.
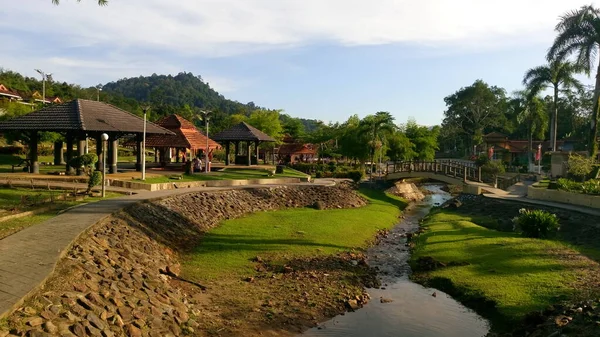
x,y
120,278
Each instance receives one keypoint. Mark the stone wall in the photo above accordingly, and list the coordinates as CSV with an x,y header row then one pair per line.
x,y
113,281
580,199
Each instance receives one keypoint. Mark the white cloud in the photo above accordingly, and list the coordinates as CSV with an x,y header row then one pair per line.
x,y
224,27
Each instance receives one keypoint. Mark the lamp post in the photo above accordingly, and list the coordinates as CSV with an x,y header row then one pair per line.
x,y
104,138
145,109
44,76
98,89
206,115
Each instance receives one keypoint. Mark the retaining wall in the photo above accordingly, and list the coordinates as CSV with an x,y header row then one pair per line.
x,y
579,199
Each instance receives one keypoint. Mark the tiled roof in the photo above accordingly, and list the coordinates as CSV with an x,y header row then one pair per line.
x,y
4,91
296,149
495,135
186,135
82,115
242,132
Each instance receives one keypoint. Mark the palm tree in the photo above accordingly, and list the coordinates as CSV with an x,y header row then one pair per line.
x,y
529,110
557,75
579,34
100,2
376,127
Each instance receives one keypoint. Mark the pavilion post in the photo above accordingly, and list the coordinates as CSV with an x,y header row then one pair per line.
x,y
248,144
227,143
177,155
81,140
113,155
33,153
99,146
168,154
58,153
139,144
256,146
156,155
69,153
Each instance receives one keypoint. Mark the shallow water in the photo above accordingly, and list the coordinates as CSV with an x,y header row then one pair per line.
x,y
413,312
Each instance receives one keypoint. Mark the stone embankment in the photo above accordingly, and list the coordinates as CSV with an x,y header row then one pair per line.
x,y
120,277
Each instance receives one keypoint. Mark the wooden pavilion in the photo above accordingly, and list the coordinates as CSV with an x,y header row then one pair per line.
x,y
77,120
238,134
185,136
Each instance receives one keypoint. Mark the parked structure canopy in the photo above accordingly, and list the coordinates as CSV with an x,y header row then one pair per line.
x,y
242,132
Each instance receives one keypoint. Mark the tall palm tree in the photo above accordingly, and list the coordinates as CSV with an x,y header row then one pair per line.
x,y
376,127
529,111
579,34
557,75
100,2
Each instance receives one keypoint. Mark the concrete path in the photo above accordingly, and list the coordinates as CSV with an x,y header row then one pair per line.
x,y
68,186
28,257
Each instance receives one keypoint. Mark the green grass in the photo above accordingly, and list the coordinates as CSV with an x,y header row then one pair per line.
x,y
518,274
24,198
544,183
230,174
12,226
283,235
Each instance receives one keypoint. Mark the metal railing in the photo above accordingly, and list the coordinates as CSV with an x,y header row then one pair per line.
x,y
455,169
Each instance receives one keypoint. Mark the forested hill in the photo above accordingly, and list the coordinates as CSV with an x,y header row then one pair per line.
x,y
174,92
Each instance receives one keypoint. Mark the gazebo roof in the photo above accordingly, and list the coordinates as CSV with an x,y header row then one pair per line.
x,y
243,132
185,135
82,115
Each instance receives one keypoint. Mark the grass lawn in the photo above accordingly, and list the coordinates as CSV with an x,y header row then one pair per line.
x,y
519,274
287,234
12,226
542,183
230,174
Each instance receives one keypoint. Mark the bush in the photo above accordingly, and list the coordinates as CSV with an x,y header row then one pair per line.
x,y
536,223
588,187
580,166
95,180
493,168
482,160
355,175
19,150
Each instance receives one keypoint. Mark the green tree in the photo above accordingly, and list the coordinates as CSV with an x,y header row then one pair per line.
x,y
267,121
579,34
558,75
473,109
424,139
400,147
376,128
529,111
292,126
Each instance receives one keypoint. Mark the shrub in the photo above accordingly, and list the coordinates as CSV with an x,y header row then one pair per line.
x,y
482,160
355,175
95,180
331,166
536,223
580,166
493,168
589,187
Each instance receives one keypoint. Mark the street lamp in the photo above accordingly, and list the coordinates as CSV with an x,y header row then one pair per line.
x,y
104,137
206,115
145,109
44,76
98,89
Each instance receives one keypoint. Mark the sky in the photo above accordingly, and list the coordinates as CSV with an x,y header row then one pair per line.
x,y
317,59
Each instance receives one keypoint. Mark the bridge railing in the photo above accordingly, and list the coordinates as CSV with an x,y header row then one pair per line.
x,y
455,169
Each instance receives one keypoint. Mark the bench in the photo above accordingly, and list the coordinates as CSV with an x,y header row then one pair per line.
x,y
20,164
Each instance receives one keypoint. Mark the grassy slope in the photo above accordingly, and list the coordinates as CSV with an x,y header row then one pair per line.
x,y
12,226
230,174
284,235
519,274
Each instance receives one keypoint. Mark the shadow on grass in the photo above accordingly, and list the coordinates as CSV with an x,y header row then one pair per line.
x,y
379,196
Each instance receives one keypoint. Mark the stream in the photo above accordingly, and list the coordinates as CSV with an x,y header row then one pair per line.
x,y
413,310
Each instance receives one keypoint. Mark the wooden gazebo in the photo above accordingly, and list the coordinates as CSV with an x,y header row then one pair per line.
x,y
185,136
77,120
239,133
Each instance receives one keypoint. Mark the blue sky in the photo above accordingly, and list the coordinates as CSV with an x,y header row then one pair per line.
x,y
321,59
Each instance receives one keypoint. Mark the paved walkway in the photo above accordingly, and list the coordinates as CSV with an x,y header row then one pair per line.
x,y
67,186
28,257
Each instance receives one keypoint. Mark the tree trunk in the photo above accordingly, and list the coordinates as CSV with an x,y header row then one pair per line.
x,y
593,147
554,121
530,145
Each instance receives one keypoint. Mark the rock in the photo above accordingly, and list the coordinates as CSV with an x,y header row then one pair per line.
x,y
352,304
434,294
249,279
133,331
35,321
385,300
319,205
50,328
78,330
95,321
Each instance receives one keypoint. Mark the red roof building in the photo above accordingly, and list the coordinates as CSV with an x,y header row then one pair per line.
x,y
186,136
11,95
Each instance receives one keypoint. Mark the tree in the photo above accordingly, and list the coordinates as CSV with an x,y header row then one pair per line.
x,y
292,126
424,139
100,2
473,109
376,127
559,76
579,34
400,147
529,111
267,121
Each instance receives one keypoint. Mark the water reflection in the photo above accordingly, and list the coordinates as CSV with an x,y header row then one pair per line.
x,y
413,311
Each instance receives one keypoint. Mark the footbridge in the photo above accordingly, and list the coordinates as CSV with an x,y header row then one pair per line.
x,y
448,171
